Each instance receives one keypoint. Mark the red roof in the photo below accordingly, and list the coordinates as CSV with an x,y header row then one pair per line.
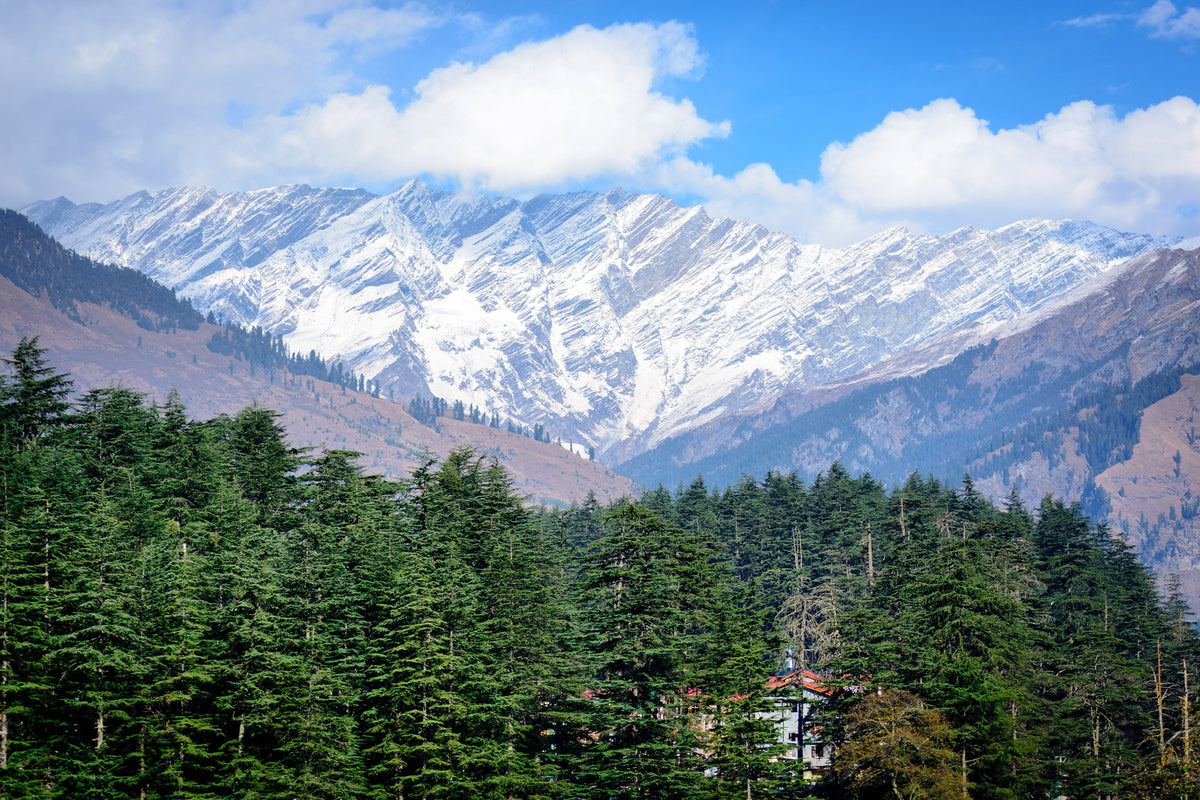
x,y
806,679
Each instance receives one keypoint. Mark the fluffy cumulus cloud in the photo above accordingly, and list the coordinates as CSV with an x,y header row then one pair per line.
x,y
119,95
111,96
574,107
941,166
757,194
116,95
942,162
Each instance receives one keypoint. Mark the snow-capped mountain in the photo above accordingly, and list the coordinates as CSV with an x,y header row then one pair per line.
x,y
614,319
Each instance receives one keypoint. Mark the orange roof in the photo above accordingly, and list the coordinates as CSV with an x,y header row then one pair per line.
x,y
806,679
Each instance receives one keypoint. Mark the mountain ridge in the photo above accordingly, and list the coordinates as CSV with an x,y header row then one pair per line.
x,y
103,340
675,343
617,319
1093,398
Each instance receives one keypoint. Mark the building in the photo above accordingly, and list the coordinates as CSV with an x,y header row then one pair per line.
x,y
797,695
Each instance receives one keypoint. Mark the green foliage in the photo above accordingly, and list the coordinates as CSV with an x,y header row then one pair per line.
x,y
744,754
260,349
641,622
34,401
197,610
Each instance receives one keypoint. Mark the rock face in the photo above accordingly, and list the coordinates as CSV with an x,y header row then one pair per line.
x,y
617,320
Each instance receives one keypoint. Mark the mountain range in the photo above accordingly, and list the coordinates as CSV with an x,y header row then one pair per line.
x,y
105,326
617,320
1046,356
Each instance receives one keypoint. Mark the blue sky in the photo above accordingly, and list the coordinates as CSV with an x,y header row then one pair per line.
x,y
829,121
792,77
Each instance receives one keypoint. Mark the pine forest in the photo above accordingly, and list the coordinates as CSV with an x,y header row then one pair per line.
x,y
193,609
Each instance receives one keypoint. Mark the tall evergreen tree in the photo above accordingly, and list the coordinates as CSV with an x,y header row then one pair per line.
x,y
523,672
263,463
28,722
744,754
415,750
324,550
258,669
34,401
645,744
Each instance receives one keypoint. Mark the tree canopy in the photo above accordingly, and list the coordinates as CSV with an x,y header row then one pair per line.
x,y
196,609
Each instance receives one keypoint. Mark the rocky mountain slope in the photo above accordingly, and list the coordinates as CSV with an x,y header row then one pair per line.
x,y
617,320
101,343
1043,357
1093,398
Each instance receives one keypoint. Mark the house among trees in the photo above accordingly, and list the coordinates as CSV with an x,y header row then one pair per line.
x,y
798,694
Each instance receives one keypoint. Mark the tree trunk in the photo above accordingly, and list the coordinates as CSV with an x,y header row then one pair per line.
x,y
1158,697
870,558
797,550
142,762
1187,729
1013,712
100,726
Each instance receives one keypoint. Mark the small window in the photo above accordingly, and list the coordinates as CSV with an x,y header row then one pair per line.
x,y
793,736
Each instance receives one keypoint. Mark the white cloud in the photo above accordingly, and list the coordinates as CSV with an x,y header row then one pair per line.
x,y
1166,21
120,95
574,107
117,95
941,166
1095,20
941,163
758,194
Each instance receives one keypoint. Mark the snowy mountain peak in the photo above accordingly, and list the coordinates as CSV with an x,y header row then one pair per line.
x,y
614,319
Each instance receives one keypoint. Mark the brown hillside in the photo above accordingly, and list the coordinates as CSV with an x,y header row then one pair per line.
x,y
109,349
1154,495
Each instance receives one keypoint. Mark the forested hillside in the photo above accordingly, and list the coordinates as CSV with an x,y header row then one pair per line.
x,y
192,609
44,268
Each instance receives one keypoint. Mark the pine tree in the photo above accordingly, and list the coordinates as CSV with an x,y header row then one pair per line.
x,y
644,744
744,752
35,401
257,671
181,733
523,673
101,647
32,532
263,463
415,750
28,730
325,550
